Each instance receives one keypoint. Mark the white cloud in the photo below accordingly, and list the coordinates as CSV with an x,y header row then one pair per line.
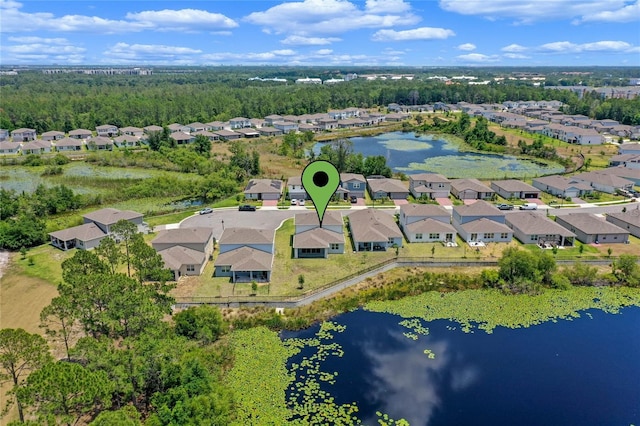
x,y
605,46
274,56
516,56
467,46
478,58
310,41
324,52
313,17
627,13
41,50
124,53
528,11
182,20
387,6
514,48
424,33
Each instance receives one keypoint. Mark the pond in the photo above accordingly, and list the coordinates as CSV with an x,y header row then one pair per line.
x,y
410,153
582,372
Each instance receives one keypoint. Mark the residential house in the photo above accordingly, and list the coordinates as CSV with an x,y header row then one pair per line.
x,y
126,141
82,134
152,129
245,254
561,186
286,126
327,123
133,131
239,122
197,127
177,127
353,184
269,131
182,138
227,135
4,135
312,241
590,228
514,189
629,148
248,132
52,135
295,189
96,226
270,119
397,116
629,173
374,230
380,188
69,144
10,148
185,251
429,185
23,135
107,130
256,123
107,217
207,134
630,161
83,237
629,220
37,147
481,222
470,189
426,223
263,189
100,143
603,181
532,228
582,136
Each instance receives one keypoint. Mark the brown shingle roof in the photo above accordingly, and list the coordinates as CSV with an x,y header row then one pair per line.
x,y
331,217
591,224
247,236
531,223
424,210
176,256
245,259
110,216
387,185
85,232
429,225
514,185
470,184
479,208
485,225
429,177
317,238
373,225
264,186
183,236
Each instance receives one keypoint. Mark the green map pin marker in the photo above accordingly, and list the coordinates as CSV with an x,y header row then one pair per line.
x,y
320,179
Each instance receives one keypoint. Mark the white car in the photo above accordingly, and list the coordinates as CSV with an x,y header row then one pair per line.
x,y
301,202
294,202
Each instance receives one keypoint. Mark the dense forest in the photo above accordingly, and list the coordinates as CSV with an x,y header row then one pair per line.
x,y
68,101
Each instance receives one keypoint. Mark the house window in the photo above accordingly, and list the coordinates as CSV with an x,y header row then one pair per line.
x,y
533,238
441,185
225,268
434,236
474,237
488,235
335,246
356,185
418,236
504,235
391,241
311,251
449,237
191,268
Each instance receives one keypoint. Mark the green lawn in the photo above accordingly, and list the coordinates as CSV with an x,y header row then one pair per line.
x,y
46,263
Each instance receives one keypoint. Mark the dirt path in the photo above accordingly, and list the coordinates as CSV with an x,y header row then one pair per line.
x,y
4,261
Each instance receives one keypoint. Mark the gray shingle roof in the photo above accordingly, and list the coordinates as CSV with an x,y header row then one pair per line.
x,y
85,232
423,210
479,208
264,186
485,225
469,184
631,217
429,225
562,183
429,177
387,185
176,256
514,185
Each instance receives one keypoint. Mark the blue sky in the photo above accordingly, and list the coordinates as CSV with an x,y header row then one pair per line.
x,y
322,32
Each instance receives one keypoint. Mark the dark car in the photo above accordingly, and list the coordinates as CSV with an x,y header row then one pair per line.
x,y
505,206
247,208
206,210
353,199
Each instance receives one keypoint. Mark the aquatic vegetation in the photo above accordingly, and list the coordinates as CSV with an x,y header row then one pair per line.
x,y
309,403
259,376
488,309
483,166
385,420
405,144
429,353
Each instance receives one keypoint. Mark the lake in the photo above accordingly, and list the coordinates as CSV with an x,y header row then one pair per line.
x,y
410,153
580,372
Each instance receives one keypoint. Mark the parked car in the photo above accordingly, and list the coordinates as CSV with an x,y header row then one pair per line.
x,y
206,210
301,202
529,206
294,201
353,199
247,208
505,206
